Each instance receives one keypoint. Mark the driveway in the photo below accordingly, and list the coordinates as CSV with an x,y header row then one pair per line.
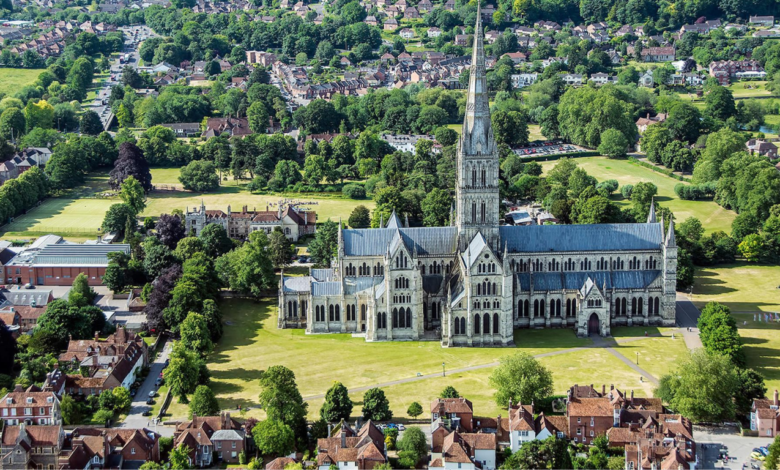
x,y
135,419
709,440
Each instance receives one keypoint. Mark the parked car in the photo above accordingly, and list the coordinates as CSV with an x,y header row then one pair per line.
x,y
133,391
757,455
150,401
401,427
764,450
147,413
152,393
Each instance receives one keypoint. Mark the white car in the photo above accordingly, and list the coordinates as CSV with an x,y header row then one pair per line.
x,y
152,394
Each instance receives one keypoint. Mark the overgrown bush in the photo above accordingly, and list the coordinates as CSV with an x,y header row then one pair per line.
x,y
354,191
626,190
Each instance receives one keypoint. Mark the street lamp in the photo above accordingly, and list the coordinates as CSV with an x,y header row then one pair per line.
x,y
637,357
443,373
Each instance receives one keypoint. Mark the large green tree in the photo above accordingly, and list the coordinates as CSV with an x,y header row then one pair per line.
x,y
282,401
248,269
337,404
376,407
204,402
520,378
323,247
273,438
195,334
281,248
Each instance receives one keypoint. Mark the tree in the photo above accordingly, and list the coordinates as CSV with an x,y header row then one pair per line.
x,y
132,193
752,247
195,334
169,230
151,465
286,173
360,217
80,294
39,115
282,401
71,411
720,103
773,459
183,372
449,392
413,443
684,122
520,378
12,124
613,144
718,332
8,350
510,127
323,247
248,269
273,438
337,404
414,410
354,191
91,123
701,387
116,217
122,400
204,402
131,162
158,258
258,116
281,249
436,208
179,457
199,176
751,387
215,240
376,407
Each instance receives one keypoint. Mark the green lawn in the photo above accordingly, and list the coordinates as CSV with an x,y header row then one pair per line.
x,y
79,214
761,344
656,355
742,287
711,215
12,80
252,342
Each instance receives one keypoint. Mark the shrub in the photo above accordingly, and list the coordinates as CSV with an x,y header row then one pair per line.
x,y
626,190
354,191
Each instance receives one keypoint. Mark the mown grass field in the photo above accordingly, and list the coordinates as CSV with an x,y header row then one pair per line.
x,y
252,343
12,80
742,287
711,215
761,342
79,214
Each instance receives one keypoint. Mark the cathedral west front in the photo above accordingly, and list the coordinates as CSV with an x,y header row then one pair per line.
x,y
474,282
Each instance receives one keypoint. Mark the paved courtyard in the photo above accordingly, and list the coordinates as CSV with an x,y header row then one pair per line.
x,y
710,439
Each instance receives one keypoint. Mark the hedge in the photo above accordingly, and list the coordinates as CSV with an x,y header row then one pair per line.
x,y
664,171
557,156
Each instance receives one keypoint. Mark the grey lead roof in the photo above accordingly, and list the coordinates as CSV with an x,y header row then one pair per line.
x,y
322,274
297,284
354,285
597,237
575,280
375,242
319,289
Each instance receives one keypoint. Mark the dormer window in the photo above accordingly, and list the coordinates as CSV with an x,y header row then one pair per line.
x,y
9,401
50,400
96,459
29,400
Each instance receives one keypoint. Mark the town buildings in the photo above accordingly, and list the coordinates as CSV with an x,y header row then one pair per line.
x,y
58,263
210,437
109,448
23,446
765,416
361,447
30,406
472,283
658,54
294,221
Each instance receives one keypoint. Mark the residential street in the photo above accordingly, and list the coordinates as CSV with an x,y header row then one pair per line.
x,y
136,419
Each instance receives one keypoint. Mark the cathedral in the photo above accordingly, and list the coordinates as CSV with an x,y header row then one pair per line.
x,y
473,283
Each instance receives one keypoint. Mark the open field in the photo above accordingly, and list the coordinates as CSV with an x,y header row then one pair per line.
x,y
655,355
252,343
742,287
711,215
78,215
762,348
12,80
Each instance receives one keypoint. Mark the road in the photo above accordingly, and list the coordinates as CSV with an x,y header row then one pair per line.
x,y
131,46
135,419
709,440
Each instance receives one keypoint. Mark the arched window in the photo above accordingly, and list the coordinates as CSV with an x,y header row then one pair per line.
x,y
363,312
495,323
395,318
338,313
486,324
473,212
457,327
520,308
408,317
484,173
656,302
476,324
495,291
541,306
573,307
633,306
330,313
473,176
463,325
558,308
536,308
640,309
482,212
568,307
617,306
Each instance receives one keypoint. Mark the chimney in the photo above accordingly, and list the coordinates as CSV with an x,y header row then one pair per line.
x,y
612,386
632,397
18,388
97,335
603,389
330,429
343,436
775,398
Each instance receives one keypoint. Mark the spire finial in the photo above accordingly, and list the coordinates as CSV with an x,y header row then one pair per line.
x,y
651,219
670,240
382,220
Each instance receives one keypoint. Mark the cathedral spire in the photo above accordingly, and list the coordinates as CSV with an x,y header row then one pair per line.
x,y
651,215
477,133
670,240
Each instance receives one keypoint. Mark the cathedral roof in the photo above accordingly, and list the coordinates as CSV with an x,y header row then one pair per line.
x,y
394,221
353,285
475,248
597,237
325,288
297,284
575,280
375,242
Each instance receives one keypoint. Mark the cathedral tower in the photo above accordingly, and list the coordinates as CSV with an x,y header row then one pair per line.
x,y
477,186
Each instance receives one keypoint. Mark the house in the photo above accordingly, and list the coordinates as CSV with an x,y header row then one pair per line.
x,y
651,448
467,451
455,413
521,426
573,79
433,32
599,79
185,129
407,33
646,79
370,20
767,21
294,221
405,142
725,70
27,305
109,448
623,30
425,6
762,147
658,54
234,127
104,364
209,437
522,80
23,446
344,62
492,36
516,57
280,463
411,13
461,40
258,57
359,448
765,417
766,33
57,264
390,24
644,122
30,406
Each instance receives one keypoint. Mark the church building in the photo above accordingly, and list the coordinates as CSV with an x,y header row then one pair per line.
x,y
473,283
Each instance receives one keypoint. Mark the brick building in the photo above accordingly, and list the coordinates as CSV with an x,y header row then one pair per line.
x,y
23,446
359,448
293,221
455,413
209,437
109,448
30,406
58,264
765,416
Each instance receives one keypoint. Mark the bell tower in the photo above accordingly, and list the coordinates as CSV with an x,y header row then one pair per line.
x,y
476,190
